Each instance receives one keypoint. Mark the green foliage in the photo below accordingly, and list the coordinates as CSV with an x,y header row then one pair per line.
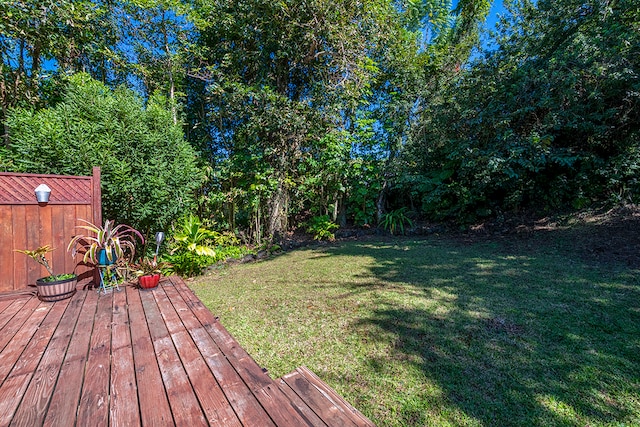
x,y
192,247
149,172
192,236
187,264
396,220
146,266
335,109
322,228
547,120
195,247
39,255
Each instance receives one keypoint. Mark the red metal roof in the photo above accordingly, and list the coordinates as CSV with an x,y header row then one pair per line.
x,y
19,188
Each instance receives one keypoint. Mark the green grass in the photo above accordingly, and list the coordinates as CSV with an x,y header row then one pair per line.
x,y
438,332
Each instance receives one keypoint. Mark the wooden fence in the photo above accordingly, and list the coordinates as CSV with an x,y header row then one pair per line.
x,y
25,224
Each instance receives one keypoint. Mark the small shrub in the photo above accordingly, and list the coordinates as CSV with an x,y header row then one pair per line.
x,y
186,264
322,227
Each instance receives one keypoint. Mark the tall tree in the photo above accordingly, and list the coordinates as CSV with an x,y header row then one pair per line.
x,y
281,75
549,119
154,38
34,32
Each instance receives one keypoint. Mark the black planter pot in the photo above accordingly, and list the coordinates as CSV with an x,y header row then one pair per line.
x,y
56,290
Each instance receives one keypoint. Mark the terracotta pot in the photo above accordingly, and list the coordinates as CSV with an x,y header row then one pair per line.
x,y
149,281
56,290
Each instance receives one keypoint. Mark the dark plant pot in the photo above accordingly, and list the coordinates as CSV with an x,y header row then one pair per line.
x,y
103,259
149,281
56,290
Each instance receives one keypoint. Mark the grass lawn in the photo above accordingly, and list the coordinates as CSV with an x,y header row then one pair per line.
x,y
442,332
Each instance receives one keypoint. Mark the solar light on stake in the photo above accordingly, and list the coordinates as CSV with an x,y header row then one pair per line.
x,y
159,239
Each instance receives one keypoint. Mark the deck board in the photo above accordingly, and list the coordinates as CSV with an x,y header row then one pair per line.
x,y
145,357
154,405
15,382
40,387
64,399
124,392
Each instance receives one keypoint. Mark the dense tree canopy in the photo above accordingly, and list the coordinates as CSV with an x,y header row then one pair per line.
x,y
549,119
350,109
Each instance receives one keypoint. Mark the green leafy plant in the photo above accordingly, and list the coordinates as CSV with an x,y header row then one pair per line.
x,y
396,220
39,256
114,239
193,236
186,263
146,266
322,227
193,247
149,171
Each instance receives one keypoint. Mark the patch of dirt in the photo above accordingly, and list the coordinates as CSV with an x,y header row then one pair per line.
x,y
603,237
597,236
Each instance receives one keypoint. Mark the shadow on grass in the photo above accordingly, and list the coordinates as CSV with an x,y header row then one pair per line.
x,y
511,336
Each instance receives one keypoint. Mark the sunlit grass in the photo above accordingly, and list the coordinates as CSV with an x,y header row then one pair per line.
x,y
435,332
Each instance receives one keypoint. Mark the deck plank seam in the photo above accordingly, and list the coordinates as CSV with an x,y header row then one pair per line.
x,y
165,349
86,316
135,311
176,300
72,310
165,316
31,355
208,320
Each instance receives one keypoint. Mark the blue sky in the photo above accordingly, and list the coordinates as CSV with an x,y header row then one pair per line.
x,y
497,8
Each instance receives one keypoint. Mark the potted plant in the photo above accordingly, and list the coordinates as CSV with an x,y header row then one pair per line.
x,y
105,244
54,287
148,272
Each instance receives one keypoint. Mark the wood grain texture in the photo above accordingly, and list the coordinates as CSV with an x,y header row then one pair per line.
x,y
32,226
66,394
17,321
26,225
94,401
9,311
154,405
124,391
15,385
145,357
96,196
184,404
311,417
215,405
38,394
6,249
20,261
11,353
324,401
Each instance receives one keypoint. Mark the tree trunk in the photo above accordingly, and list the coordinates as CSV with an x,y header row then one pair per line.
x,y
278,211
382,199
172,86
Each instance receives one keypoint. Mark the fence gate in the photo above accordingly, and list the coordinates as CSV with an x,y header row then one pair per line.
x,y
25,224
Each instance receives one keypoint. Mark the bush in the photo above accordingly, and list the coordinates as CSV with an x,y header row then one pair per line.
x,y
322,227
194,247
149,172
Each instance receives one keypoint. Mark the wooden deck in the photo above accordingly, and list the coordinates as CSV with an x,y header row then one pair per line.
x,y
145,357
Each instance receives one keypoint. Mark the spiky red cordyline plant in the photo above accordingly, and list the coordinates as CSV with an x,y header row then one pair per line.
x,y
114,239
